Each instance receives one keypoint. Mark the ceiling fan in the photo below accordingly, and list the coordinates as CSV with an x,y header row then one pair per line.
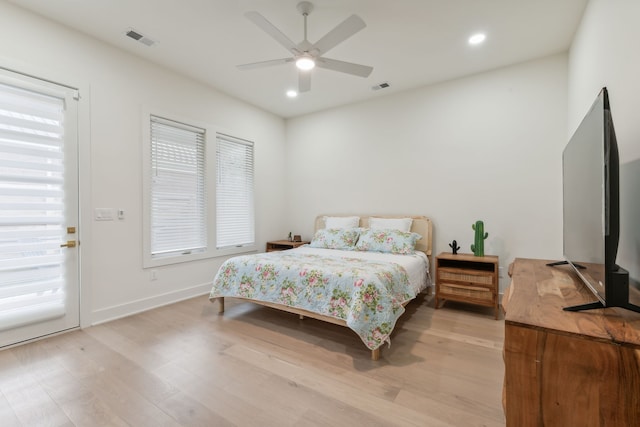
x,y
308,55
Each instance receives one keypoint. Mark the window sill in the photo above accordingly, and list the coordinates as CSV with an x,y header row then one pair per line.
x,y
178,259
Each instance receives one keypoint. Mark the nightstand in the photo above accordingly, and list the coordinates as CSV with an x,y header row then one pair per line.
x,y
281,245
467,278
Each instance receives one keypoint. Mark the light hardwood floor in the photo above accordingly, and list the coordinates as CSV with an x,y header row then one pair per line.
x,y
185,365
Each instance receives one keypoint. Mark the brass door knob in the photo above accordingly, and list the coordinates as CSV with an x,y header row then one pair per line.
x,y
69,244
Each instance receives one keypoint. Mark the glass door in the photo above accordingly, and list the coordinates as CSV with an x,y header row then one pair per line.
x,y
39,285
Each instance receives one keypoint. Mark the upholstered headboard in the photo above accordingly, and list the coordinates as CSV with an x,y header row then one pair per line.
x,y
421,225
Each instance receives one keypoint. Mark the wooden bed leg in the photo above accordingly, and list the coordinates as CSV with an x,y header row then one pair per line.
x,y
375,354
221,305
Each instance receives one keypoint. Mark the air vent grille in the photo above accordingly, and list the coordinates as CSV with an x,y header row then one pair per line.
x,y
131,33
134,35
379,86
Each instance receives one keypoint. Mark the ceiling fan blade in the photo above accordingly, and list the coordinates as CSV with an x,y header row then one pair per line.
x,y
343,31
344,67
270,29
304,81
261,64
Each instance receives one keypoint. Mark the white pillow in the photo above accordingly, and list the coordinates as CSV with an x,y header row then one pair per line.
x,y
400,224
341,221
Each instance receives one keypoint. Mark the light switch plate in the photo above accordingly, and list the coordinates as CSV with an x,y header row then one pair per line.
x,y
104,214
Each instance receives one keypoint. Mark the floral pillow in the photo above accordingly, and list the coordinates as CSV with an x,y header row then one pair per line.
x,y
335,238
393,241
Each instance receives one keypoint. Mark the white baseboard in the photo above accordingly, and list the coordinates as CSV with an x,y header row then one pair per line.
x,y
123,310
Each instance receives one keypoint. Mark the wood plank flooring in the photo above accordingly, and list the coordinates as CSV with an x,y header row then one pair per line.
x,y
186,365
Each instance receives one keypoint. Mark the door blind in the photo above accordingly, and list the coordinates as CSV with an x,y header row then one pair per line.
x,y
234,193
178,208
31,206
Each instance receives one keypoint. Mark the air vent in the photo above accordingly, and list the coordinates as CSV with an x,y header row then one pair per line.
x,y
134,35
131,33
382,85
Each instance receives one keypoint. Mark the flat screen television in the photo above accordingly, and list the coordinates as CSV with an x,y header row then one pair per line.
x,y
591,208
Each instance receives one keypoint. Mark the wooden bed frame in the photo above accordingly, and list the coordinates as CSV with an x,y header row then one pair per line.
x,y
421,225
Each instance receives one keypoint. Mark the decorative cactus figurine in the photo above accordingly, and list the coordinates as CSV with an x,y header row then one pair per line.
x,y
454,247
478,246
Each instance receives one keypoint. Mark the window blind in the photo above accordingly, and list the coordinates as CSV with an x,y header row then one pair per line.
x,y
178,205
235,224
32,286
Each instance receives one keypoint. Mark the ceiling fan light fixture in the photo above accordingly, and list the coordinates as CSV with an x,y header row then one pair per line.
x,y
305,63
308,55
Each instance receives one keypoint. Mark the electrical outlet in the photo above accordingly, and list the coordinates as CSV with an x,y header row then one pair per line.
x,y
154,274
500,272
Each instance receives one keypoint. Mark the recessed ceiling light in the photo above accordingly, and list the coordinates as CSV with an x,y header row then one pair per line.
x,y
477,38
292,93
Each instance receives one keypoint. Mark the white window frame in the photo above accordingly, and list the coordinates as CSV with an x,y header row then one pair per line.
x,y
210,250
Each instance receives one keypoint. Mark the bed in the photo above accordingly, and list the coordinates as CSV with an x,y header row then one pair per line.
x,y
358,271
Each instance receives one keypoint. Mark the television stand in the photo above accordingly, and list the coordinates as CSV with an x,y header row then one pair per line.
x,y
629,306
616,293
598,304
557,263
563,368
582,307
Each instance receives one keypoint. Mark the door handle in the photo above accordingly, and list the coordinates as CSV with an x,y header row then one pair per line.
x,y
69,244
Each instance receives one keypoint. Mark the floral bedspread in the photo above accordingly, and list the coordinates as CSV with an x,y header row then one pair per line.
x,y
368,295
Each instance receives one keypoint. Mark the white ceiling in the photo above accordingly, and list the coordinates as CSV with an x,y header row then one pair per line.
x,y
409,43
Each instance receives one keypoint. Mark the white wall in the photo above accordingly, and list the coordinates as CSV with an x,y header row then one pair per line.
x,y
485,147
114,87
603,54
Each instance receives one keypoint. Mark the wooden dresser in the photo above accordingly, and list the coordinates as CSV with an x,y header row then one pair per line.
x,y
567,368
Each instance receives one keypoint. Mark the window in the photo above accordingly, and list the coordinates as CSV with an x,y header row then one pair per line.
x,y
234,193
198,198
178,211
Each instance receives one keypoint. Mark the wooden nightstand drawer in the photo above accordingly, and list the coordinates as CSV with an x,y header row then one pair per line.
x,y
453,290
468,277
